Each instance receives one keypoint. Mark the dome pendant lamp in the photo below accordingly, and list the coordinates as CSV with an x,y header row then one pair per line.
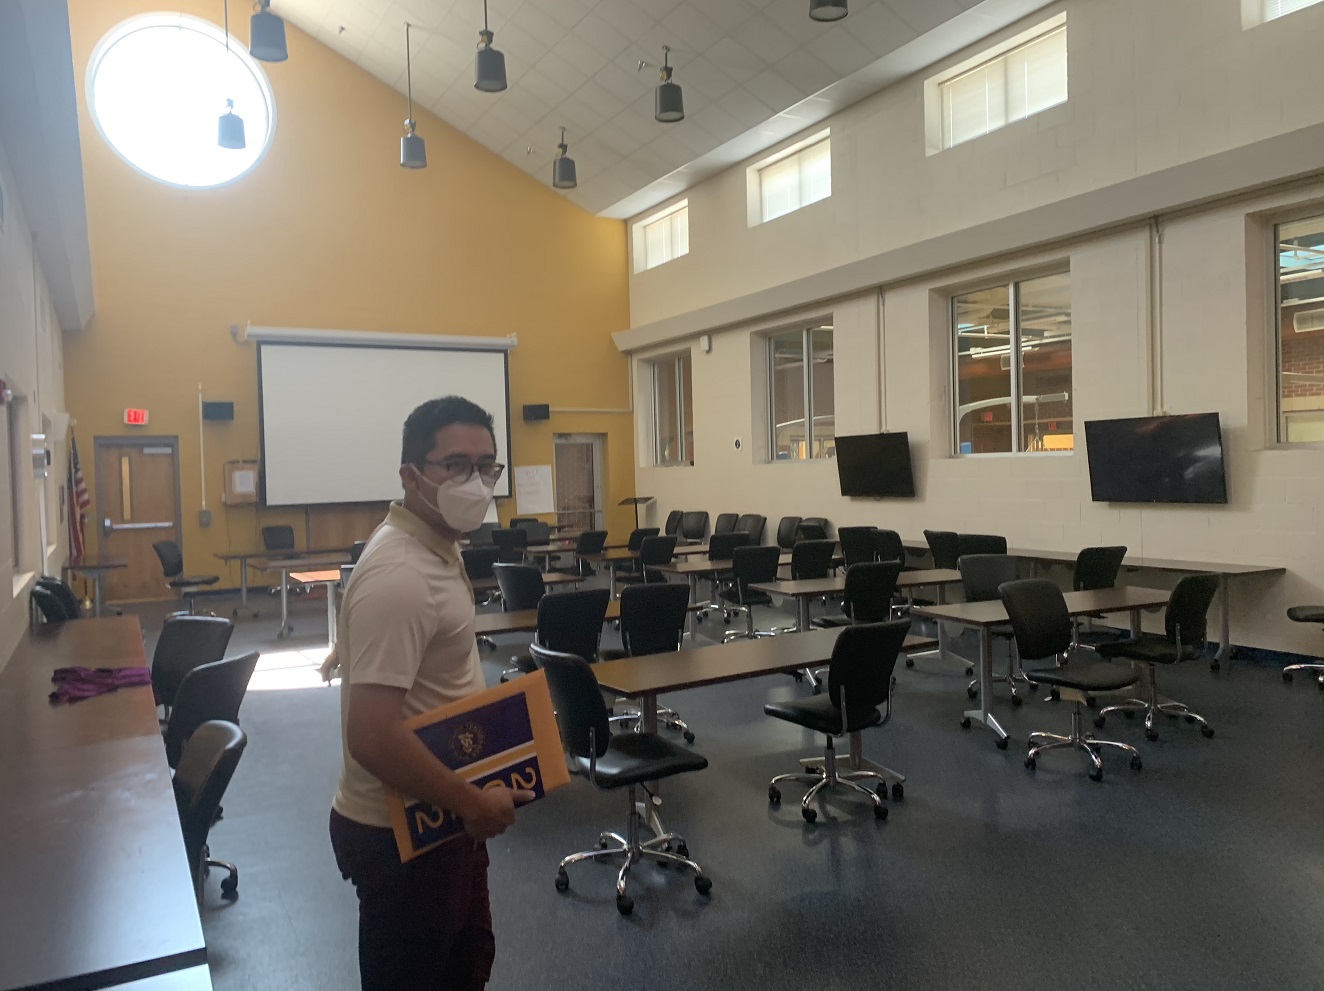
x,y
563,167
670,103
413,153
230,126
827,10
266,34
489,64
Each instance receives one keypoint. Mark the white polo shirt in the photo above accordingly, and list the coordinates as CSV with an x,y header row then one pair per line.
x,y
407,621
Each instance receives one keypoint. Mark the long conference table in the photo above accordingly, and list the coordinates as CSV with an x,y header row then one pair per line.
x,y
96,888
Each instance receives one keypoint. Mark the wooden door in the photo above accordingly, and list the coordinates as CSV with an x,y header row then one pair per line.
x,y
578,485
137,502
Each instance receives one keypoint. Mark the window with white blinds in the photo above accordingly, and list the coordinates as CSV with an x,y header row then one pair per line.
x,y
795,181
1281,8
1009,87
662,237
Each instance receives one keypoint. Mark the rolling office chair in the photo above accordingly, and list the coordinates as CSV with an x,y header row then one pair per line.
x,y
860,679
816,521
214,690
483,535
588,542
672,526
981,577
571,622
980,543
653,622
752,524
720,548
538,531
1096,567
888,546
694,526
810,530
857,544
184,643
61,590
1042,627
356,551
1306,614
750,565
725,523
625,760
278,538
521,588
944,545
810,560
511,541
201,777
787,528
653,551
1184,637
635,543
478,563
172,567
48,605
870,587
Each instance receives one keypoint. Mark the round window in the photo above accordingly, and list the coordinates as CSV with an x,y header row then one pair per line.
x,y
157,86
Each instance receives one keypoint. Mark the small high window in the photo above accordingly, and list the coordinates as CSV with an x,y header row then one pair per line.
x,y
794,178
1299,264
663,237
800,382
1273,9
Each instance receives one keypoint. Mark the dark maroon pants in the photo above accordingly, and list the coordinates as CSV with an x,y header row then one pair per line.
x,y
424,925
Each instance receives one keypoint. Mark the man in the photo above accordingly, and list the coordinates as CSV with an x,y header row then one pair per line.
x,y
406,645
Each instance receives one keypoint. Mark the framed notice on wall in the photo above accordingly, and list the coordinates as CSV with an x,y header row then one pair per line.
x,y
240,483
533,490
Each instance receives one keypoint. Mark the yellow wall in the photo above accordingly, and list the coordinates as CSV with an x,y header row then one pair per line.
x,y
328,231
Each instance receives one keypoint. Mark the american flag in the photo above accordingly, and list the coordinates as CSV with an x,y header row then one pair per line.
x,y
79,503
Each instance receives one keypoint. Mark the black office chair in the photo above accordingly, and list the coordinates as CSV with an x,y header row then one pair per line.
x,y
870,587
944,545
1042,627
693,526
571,622
48,605
201,777
538,531
1096,568
523,520
788,527
810,531
725,523
752,524
356,551
857,544
654,551
184,643
860,679
749,565
981,576
478,561
483,535
521,588
511,541
980,543
1306,614
210,691
720,548
635,543
1184,637
588,542
278,538
625,760
672,526
61,590
817,521
172,566
653,622
812,559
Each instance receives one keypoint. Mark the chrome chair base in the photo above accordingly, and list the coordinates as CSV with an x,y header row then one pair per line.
x,y
1078,740
1317,668
659,849
230,883
827,775
748,633
1153,705
1014,677
669,718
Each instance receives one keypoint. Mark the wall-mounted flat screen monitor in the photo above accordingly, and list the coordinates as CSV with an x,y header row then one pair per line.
x,y
875,465
1157,459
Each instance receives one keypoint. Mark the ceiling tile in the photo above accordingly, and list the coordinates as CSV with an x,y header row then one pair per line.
x,y
765,39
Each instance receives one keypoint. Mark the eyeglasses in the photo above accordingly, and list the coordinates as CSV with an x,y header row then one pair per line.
x,y
463,469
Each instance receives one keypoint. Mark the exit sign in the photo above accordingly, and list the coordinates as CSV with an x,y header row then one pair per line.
x,y
135,417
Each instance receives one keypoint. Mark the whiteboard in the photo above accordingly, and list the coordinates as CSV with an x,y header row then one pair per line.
x,y
331,415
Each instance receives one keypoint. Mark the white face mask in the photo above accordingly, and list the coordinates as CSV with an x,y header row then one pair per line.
x,y
462,504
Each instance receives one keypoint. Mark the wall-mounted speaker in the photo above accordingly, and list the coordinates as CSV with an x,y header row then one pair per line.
x,y
537,411
217,410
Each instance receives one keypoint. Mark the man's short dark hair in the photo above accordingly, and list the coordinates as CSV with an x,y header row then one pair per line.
x,y
421,426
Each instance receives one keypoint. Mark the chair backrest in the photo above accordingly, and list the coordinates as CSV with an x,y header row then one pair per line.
x,y
63,592
672,525
49,605
944,545
511,540
1186,618
576,699
756,563
172,561
869,590
810,531
820,522
356,551
1097,567
725,523
637,536
201,777
888,546
857,544
694,524
483,535
812,559
980,543
478,561
653,617
209,691
787,529
572,621
982,574
655,551
1039,617
721,545
184,643
752,524
863,659
591,542
278,538
521,586
346,573
538,532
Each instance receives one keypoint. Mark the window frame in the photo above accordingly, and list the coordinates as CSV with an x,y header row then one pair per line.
x,y
639,236
1256,12
1276,435
677,362
807,384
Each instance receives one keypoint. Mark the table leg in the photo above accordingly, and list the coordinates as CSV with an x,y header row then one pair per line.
x,y
1224,623
802,613
694,598
652,796
243,583
330,613
611,579
98,593
982,714
1135,623
284,605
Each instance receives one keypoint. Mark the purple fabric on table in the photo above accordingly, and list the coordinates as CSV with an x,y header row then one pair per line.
x,y
75,684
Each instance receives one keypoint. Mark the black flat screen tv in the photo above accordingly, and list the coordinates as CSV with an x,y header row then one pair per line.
x,y
1176,459
875,465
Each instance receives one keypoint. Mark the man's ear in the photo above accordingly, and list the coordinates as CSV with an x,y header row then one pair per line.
x,y
408,479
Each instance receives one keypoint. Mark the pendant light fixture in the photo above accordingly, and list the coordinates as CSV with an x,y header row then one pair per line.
x,y
563,167
827,10
266,34
489,64
413,153
670,104
230,126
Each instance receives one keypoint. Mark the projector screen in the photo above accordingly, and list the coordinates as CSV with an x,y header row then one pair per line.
x,y
331,415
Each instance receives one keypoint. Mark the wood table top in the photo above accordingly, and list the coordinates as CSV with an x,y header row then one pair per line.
x,y
98,564
550,578
526,620
1119,599
311,563
808,588
1134,561
193,979
694,667
281,554
330,575
706,566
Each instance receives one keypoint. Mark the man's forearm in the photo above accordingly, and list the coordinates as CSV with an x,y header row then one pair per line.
x,y
398,758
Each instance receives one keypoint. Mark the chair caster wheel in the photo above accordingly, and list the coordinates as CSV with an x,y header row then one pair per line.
x,y
1214,666
1190,719
504,679
910,662
880,813
1136,763
898,792
230,889
809,814
1287,677
1017,701
774,795
1031,763
602,845
972,693
1129,714
1099,721
624,904
689,736
969,672
563,880
1055,694
798,676
965,723
817,689
682,850
703,885
1002,742
1206,731
1151,735
1096,774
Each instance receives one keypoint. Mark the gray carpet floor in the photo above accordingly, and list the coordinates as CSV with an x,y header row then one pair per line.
x,y
1203,871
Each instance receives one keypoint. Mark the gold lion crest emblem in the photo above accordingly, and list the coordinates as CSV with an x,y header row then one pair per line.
x,y
467,741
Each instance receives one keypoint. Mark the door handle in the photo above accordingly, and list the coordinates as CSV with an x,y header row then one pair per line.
x,y
138,526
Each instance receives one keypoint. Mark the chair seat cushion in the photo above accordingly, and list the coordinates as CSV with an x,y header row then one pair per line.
x,y
1148,647
818,713
752,598
193,580
1085,677
1306,614
635,757
830,622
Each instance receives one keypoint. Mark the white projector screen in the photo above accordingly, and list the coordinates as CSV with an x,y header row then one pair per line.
x,y
331,415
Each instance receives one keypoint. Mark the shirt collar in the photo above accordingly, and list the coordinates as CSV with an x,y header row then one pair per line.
x,y
402,519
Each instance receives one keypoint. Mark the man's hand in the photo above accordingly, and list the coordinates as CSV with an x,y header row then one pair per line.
x,y
329,667
491,811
